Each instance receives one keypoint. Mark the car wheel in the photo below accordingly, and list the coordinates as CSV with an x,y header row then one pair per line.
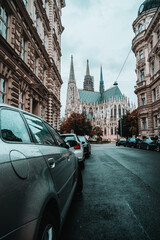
x,y
148,147
79,187
47,228
157,148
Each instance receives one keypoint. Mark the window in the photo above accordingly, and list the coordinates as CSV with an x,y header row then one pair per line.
x,y
111,131
36,20
42,112
140,28
158,35
25,3
119,111
142,75
143,99
144,123
152,68
56,135
115,111
156,121
154,94
35,64
151,44
39,130
2,90
141,54
23,49
3,22
21,97
159,62
115,130
13,128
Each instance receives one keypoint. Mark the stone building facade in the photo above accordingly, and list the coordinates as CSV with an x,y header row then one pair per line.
x,y
146,46
30,56
103,108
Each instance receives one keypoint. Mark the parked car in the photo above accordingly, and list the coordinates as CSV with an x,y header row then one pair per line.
x,y
148,143
86,145
121,141
38,177
75,146
130,142
158,145
137,143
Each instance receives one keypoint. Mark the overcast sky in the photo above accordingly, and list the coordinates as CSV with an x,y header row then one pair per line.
x,y
100,31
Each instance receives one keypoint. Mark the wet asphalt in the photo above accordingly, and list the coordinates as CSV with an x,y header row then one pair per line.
x,y
121,196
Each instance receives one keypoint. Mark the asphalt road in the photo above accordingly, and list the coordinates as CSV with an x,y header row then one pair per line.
x,y
121,196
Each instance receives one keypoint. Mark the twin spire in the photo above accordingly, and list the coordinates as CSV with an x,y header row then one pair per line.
x,y
88,83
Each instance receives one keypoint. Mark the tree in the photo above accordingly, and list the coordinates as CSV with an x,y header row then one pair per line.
x,y
77,123
129,124
97,131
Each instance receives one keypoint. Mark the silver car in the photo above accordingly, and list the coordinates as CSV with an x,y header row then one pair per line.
x,y
75,146
38,177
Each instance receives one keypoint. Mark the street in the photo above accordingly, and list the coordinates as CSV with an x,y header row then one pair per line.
x,y
121,196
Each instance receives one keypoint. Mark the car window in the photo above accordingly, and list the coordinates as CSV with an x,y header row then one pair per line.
x,y
39,130
82,139
69,138
13,128
58,138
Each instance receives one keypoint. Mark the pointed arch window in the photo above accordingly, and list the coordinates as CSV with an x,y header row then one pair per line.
x,y
119,111
115,111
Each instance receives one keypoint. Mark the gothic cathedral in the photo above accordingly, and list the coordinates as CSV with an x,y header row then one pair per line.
x,y
103,108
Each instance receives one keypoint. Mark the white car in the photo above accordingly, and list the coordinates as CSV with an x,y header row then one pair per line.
x,y
75,146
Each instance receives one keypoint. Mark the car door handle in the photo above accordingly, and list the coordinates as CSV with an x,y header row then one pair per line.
x,y
51,162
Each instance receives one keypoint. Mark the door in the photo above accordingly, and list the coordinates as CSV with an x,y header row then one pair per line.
x,y
58,159
18,159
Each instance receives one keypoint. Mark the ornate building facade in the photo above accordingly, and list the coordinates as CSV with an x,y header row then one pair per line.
x,y
30,56
103,108
146,46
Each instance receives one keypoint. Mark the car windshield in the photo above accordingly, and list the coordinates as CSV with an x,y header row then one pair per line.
x,y
69,138
82,138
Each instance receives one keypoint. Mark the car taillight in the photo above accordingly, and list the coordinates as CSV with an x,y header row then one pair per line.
x,y
153,142
78,146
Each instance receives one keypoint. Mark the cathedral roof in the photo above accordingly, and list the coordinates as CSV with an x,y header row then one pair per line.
x,y
147,5
95,97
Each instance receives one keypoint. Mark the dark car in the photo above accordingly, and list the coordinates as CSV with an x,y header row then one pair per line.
x,y
158,145
38,177
130,142
121,141
137,143
148,143
86,145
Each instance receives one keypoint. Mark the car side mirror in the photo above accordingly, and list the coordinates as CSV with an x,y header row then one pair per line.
x,y
67,145
83,142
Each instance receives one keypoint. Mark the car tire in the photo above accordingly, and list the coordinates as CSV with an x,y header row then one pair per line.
x,y
79,186
157,148
47,228
148,148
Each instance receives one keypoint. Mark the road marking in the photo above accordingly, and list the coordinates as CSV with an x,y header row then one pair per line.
x,y
139,223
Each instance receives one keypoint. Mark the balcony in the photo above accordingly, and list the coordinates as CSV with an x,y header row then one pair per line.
x,y
137,38
140,85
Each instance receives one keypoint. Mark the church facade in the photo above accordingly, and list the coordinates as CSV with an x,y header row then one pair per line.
x,y
104,108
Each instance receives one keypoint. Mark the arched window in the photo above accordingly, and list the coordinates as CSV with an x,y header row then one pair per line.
x,y
140,28
105,131
84,111
119,111
115,111
91,111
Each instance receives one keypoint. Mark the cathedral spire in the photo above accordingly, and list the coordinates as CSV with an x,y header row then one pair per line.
x,y
87,70
88,83
101,86
72,76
